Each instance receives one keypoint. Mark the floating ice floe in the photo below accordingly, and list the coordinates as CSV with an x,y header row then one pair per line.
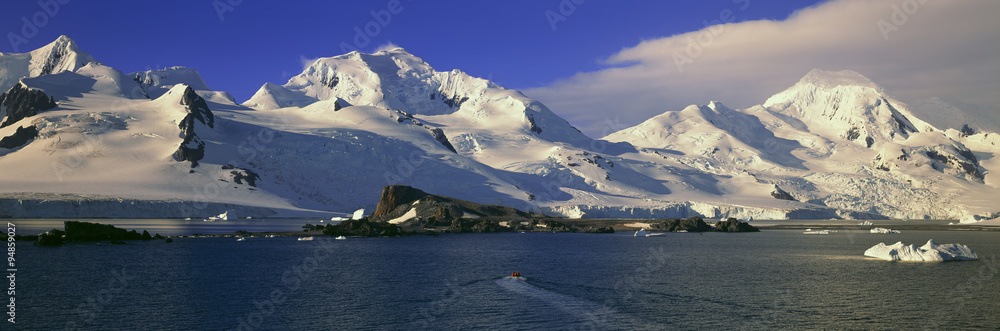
x,y
641,233
810,231
866,223
884,231
929,252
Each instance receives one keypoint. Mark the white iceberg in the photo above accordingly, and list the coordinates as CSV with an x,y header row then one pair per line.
x,y
358,214
810,231
929,252
866,223
641,233
971,219
884,231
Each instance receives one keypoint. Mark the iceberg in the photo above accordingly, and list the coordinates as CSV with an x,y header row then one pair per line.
x,y
866,223
929,252
810,231
641,233
358,214
884,231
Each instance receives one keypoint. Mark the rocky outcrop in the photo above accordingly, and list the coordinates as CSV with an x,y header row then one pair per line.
x,y
84,232
394,196
241,175
364,228
193,148
693,224
416,211
780,194
21,102
20,137
596,229
441,138
534,127
51,238
733,225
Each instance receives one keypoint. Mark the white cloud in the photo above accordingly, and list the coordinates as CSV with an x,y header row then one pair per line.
x,y
388,46
306,62
915,50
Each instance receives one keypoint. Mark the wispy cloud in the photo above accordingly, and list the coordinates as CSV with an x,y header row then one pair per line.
x,y
386,47
914,50
307,62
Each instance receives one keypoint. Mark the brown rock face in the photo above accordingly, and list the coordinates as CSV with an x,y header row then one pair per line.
x,y
395,195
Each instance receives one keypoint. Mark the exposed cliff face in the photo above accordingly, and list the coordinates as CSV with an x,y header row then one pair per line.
x,y
394,196
21,102
193,148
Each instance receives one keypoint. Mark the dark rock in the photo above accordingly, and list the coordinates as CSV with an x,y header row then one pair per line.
x,y
394,196
534,127
733,225
241,175
193,148
169,240
20,137
778,193
594,229
146,236
693,224
329,82
441,138
853,134
966,131
365,228
84,231
51,238
455,101
903,124
22,102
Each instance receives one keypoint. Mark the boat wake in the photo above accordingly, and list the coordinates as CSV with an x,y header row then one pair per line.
x,y
592,314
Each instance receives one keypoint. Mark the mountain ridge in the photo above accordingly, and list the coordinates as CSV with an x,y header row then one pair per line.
x,y
833,145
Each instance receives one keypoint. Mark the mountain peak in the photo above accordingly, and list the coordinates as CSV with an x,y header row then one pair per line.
x,y
58,56
831,79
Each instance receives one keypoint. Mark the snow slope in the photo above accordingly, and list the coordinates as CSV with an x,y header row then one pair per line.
x,y
326,142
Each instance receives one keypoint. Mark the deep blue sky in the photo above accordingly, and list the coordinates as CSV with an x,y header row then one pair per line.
x,y
510,42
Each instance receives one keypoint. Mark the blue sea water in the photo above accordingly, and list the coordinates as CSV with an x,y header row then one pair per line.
x,y
777,279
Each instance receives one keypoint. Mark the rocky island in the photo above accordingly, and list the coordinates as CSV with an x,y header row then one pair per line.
x,y
404,210
76,231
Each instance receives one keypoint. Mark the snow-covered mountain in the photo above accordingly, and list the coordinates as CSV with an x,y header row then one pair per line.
x,y
833,139
161,143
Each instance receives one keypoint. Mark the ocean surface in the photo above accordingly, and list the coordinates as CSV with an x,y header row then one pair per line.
x,y
775,279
